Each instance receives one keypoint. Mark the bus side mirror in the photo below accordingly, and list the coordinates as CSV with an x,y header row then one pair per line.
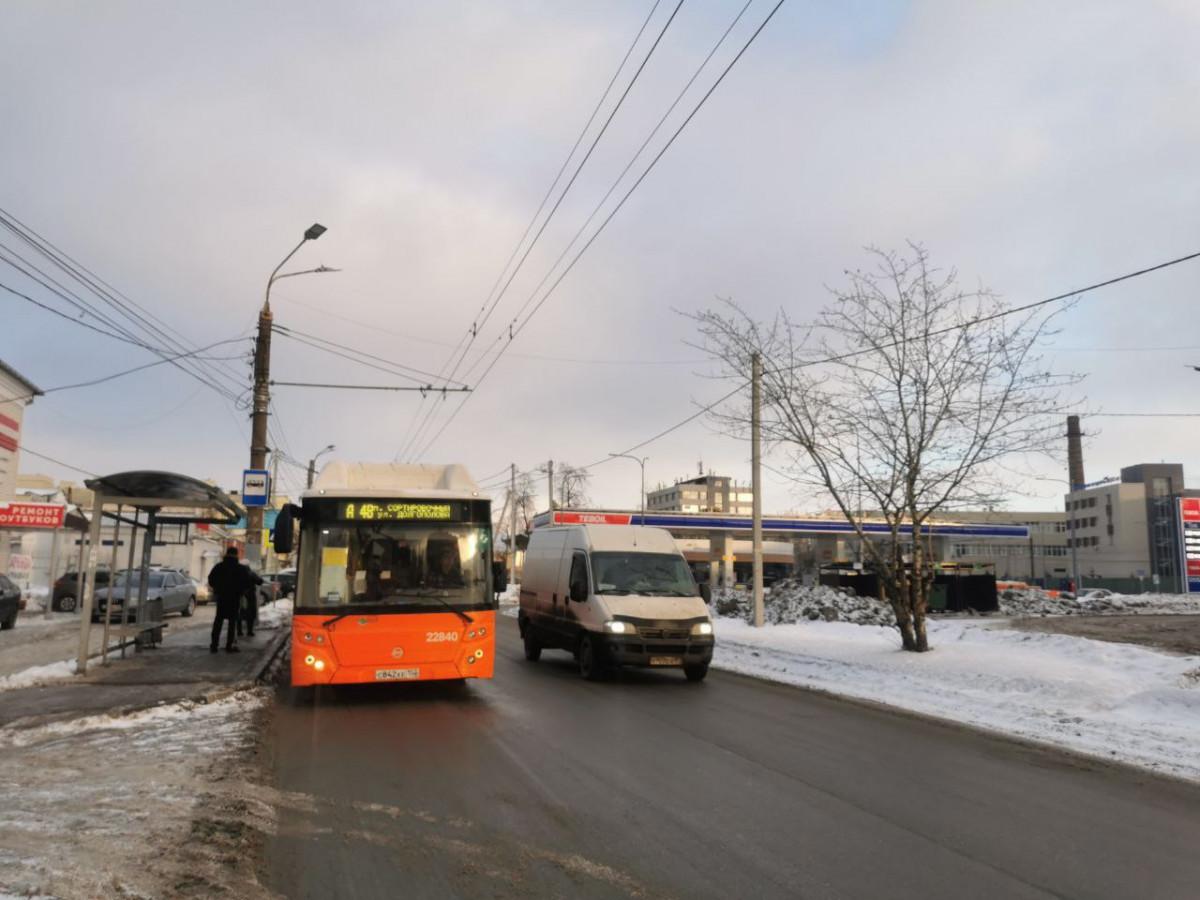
x,y
706,593
285,524
499,577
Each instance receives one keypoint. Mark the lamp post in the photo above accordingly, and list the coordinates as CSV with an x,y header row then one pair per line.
x,y
312,463
642,464
262,394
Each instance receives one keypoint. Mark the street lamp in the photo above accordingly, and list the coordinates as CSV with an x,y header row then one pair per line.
x,y
642,463
312,463
262,395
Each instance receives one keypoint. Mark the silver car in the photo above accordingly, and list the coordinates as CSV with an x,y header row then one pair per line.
x,y
174,589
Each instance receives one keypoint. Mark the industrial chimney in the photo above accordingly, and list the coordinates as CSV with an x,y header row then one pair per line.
x,y
1075,452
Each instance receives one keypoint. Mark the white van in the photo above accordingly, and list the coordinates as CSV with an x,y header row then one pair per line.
x,y
614,595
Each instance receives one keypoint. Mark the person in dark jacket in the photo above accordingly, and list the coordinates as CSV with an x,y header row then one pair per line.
x,y
249,611
228,580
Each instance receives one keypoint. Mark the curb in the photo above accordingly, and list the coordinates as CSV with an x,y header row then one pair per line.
x,y
269,654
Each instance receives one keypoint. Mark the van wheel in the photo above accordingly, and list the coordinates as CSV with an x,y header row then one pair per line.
x,y
695,673
590,666
533,647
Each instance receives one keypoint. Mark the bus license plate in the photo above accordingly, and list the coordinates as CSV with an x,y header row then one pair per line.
x,y
666,661
397,674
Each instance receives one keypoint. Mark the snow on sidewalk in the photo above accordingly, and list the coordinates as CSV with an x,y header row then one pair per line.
x,y
35,675
1114,701
101,806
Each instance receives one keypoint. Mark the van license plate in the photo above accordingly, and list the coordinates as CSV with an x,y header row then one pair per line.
x,y
666,661
397,674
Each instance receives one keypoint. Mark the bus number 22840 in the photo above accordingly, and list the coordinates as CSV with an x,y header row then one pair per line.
x,y
435,637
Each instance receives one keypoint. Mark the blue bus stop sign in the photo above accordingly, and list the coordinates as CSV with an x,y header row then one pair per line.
x,y
255,487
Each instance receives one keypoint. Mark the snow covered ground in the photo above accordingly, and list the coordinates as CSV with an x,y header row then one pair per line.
x,y
55,671
109,806
275,615
1115,701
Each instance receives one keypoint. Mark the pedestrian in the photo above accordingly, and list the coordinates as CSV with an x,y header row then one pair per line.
x,y
249,606
228,581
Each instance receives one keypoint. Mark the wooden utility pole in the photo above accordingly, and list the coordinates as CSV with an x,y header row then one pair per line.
x,y
756,486
550,485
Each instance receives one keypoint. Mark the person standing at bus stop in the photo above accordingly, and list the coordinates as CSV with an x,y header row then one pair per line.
x,y
228,580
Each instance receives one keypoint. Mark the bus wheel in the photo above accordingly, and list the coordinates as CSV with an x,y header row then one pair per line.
x,y
533,647
695,673
590,666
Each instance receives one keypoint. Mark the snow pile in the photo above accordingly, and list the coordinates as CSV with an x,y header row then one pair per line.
x,y
789,602
511,595
35,675
1035,602
1114,701
275,615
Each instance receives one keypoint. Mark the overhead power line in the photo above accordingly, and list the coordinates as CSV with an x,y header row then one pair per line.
x,y
121,374
604,224
490,304
424,389
297,335
57,462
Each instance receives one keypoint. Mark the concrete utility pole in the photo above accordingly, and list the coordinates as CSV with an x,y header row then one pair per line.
x,y
512,527
550,484
262,398
756,486
312,464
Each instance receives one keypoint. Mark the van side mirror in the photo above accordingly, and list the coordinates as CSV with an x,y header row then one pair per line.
x,y
706,592
285,524
499,577
579,591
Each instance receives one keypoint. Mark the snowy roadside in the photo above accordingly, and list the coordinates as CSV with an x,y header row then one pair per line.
x,y
35,675
1113,701
108,806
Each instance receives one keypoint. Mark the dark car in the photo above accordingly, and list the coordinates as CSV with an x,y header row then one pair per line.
x,y
10,602
66,590
286,579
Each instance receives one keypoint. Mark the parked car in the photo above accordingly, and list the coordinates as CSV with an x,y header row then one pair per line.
x,y
171,586
66,590
1094,594
286,579
203,594
10,602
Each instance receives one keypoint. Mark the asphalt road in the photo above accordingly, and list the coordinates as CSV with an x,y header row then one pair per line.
x,y
538,784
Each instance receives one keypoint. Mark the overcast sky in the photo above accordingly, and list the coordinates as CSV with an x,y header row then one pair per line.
x,y
180,149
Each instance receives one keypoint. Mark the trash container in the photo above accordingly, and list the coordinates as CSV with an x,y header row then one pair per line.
x,y
937,597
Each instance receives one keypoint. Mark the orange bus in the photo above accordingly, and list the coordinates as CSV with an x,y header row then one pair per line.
x,y
395,580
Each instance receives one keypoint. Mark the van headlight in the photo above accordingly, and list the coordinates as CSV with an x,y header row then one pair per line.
x,y
615,627
702,629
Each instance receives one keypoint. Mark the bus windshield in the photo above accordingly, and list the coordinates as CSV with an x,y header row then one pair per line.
x,y
395,564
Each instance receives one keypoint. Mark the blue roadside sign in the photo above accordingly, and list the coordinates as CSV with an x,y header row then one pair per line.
x,y
256,487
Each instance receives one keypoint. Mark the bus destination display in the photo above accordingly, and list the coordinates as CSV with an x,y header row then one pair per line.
x,y
362,511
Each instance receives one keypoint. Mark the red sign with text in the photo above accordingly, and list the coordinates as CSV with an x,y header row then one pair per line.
x,y
585,518
32,515
1189,527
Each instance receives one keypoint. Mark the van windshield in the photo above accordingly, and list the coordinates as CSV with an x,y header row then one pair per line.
x,y
664,574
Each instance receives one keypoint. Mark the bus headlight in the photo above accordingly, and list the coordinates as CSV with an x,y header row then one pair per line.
x,y
319,665
482,631
478,654
615,627
702,629
309,660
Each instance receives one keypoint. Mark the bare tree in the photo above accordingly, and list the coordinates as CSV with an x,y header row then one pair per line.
x,y
908,394
573,486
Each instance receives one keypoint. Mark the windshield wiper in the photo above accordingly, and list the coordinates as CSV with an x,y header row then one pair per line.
x,y
329,622
674,593
458,612
618,591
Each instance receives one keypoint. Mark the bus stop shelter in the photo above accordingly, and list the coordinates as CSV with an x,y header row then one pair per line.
x,y
160,504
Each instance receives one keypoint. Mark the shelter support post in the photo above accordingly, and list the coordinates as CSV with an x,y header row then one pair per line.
x,y
55,541
112,583
89,586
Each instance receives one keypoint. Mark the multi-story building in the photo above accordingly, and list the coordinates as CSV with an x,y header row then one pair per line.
x,y
16,392
703,493
1129,528
1044,558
